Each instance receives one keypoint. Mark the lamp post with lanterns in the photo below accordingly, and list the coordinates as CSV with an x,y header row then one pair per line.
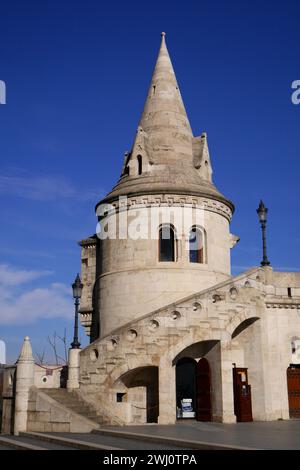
x,y
74,351
262,216
77,290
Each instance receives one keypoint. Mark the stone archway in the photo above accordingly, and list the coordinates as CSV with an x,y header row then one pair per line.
x,y
199,378
139,388
193,389
246,361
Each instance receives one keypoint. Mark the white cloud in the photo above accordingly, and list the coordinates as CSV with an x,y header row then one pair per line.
x,y
45,188
34,304
12,277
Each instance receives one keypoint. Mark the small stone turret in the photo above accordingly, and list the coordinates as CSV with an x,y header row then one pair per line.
x,y
24,381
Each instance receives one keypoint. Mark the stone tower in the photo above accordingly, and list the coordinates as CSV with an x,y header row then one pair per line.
x,y
167,173
168,323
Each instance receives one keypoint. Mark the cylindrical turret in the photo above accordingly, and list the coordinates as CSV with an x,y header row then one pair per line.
x,y
166,183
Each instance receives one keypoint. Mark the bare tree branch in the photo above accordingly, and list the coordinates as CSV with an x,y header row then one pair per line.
x,y
64,341
52,342
40,357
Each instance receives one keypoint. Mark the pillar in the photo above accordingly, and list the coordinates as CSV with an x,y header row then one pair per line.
x,y
24,381
73,368
167,392
227,403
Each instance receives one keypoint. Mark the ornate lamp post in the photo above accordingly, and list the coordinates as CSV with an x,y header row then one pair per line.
x,y
262,216
77,289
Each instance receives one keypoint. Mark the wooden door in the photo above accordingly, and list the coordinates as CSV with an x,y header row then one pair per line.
x,y
204,412
293,380
242,395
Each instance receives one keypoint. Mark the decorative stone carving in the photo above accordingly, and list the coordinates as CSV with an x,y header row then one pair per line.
x,y
197,306
94,354
131,335
153,325
175,315
174,200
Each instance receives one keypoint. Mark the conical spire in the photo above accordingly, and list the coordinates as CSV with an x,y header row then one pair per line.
x,y
164,119
26,351
165,156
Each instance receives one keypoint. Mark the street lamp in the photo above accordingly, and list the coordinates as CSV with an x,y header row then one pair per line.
x,y
77,289
262,216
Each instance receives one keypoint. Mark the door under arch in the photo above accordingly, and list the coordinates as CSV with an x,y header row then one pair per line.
x,y
186,381
203,387
193,381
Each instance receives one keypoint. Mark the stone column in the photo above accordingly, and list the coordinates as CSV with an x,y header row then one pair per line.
x,y
167,392
228,415
24,381
73,368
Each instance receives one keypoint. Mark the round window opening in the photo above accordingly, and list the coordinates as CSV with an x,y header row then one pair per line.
x,y
94,355
153,325
175,315
197,306
112,344
131,335
233,293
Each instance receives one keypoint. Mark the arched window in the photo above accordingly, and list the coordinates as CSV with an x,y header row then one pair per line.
x,y
166,243
140,164
196,245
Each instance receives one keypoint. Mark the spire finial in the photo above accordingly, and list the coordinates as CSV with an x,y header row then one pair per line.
x,y
164,120
26,351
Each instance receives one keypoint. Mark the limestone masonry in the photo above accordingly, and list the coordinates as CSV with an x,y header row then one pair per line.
x,y
173,333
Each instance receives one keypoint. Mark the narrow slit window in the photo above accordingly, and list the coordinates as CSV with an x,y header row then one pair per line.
x,y
140,164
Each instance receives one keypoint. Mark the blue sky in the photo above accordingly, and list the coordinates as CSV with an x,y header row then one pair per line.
x,y
77,74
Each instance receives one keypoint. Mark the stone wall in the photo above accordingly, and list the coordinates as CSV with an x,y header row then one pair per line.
x,y
132,281
49,376
248,324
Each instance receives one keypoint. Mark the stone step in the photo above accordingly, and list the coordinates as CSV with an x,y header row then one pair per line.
x,y
78,406
68,441
106,442
176,441
19,444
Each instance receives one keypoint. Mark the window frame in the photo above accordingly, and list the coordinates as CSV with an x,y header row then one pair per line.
x,y
202,252
172,230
